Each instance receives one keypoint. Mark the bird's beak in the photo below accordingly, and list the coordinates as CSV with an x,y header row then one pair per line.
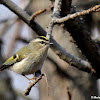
x,y
51,43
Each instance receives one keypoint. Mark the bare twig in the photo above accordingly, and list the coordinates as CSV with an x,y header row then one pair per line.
x,y
39,12
36,13
56,13
69,94
72,16
57,8
46,80
27,91
40,31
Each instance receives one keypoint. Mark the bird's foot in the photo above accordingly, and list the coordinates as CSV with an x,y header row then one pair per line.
x,y
32,80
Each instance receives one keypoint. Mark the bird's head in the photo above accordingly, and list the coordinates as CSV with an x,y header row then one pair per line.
x,y
40,42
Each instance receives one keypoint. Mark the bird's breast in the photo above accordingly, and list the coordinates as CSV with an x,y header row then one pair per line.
x,y
28,65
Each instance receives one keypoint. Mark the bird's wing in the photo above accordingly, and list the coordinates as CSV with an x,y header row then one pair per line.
x,y
20,55
12,60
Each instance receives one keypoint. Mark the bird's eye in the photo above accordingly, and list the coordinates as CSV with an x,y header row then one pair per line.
x,y
42,42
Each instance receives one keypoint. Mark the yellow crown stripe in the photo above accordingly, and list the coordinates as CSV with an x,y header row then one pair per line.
x,y
44,37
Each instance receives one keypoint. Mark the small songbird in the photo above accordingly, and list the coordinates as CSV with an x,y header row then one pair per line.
x,y
28,59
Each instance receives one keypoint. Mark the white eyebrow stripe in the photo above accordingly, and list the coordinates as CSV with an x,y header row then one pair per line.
x,y
40,40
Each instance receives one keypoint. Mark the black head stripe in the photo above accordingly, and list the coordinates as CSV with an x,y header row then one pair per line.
x,y
14,56
43,38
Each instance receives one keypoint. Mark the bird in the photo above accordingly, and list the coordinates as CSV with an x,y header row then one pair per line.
x,y
28,59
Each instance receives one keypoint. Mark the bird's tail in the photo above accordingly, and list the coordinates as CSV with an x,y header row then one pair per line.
x,y
3,67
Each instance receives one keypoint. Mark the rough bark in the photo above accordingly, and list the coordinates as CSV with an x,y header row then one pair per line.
x,y
81,35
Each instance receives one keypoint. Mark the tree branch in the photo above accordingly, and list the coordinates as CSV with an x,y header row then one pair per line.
x,y
82,37
27,91
69,94
39,12
72,16
56,13
36,13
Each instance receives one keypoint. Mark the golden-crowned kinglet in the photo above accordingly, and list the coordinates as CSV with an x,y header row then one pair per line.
x,y
28,59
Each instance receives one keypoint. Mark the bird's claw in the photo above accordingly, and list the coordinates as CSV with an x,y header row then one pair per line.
x,y
32,80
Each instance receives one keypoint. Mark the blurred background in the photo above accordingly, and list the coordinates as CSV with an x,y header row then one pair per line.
x,y
63,79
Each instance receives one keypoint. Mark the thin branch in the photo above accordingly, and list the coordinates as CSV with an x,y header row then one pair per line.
x,y
57,8
72,16
40,31
39,12
46,80
56,13
69,94
36,13
27,91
